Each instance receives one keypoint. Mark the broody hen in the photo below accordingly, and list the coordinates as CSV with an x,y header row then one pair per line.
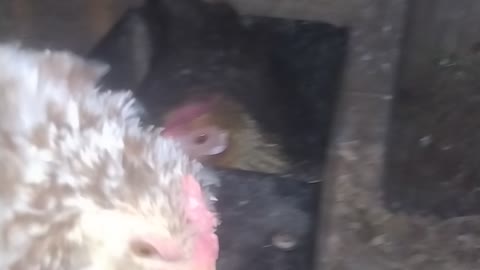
x,y
83,185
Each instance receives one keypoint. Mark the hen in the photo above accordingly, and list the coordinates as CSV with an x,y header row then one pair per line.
x,y
84,185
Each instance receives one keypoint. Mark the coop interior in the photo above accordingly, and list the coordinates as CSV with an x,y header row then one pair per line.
x,y
372,105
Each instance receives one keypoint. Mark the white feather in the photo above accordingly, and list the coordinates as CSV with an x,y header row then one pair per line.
x,y
73,156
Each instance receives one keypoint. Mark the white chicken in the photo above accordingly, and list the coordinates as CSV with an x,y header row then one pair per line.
x,y
83,185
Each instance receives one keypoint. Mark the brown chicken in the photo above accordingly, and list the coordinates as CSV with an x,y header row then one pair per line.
x,y
83,185
194,65
218,131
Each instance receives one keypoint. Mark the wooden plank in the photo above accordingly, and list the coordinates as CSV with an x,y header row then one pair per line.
x,y
22,14
359,231
438,29
338,12
352,202
437,102
72,24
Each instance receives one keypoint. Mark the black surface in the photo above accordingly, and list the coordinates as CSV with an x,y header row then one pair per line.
x,y
253,208
306,62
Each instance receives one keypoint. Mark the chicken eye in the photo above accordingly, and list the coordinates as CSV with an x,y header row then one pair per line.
x,y
143,249
201,139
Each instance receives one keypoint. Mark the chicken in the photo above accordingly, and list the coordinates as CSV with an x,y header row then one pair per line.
x,y
84,185
219,132
205,77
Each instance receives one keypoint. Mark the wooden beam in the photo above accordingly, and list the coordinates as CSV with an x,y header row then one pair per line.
x,y
352,205
338,12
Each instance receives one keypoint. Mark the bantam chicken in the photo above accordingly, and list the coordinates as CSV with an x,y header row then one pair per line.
x,y
84,185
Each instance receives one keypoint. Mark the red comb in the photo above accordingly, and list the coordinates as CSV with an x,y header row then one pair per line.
x,y
188,112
